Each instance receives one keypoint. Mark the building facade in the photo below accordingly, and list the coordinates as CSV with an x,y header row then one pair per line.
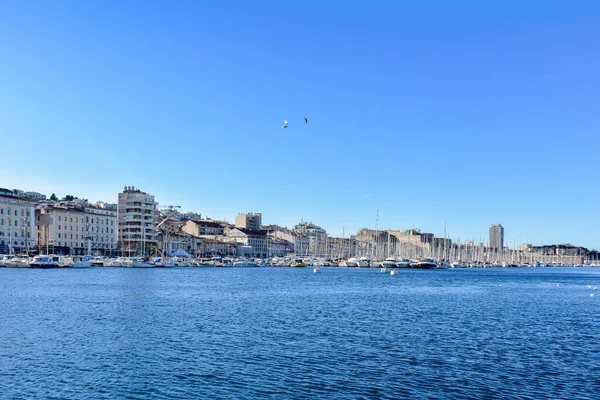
x,y
17,224
136,221
257,240
310,239
250,221
203,227
496,238
75,228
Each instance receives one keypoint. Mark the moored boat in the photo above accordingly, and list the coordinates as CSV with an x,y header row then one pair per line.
x,y
43,261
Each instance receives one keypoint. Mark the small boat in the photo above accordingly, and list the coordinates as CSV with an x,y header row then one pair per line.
x,y
139,262
364,262
426,263
245,263
43,262
298,263
389,262
352,262
404,263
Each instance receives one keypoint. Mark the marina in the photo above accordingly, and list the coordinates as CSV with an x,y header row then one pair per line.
x,y
56,261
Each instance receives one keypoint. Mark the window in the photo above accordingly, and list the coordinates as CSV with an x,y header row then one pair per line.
x,y
59,235
16,222
2,221
22,214
71,219
8,212
59,227
1,210
59,217
71,236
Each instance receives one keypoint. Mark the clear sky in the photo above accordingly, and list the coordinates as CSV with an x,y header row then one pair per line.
x,y
464,113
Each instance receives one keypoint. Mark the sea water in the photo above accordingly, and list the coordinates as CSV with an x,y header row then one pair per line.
x,y
227,333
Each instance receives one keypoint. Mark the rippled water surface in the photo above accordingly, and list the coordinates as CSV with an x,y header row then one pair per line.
x,y
291,333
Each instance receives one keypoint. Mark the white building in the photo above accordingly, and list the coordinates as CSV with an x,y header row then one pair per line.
x,y
255,239
137,221
310,239
75,227
17,225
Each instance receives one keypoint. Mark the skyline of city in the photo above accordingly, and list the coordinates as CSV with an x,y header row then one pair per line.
x,y
495,231
433,114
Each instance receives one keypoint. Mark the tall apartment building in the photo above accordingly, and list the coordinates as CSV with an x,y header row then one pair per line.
x,y
136,214
251,221
17,227
496,239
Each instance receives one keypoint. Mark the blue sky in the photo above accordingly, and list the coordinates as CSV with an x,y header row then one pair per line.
x,y
464,113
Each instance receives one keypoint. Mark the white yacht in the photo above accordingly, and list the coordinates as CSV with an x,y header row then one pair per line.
x,y
352,262
5,260
164,262
389,262
75,261
245,263
364,262
138,262
403,263
227,262
427,263
43,262
97,261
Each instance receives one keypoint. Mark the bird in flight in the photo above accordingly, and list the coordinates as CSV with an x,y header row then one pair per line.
x,y
305,120
284,124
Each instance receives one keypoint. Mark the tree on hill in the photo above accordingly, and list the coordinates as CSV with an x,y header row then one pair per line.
x,y
69,198
53,197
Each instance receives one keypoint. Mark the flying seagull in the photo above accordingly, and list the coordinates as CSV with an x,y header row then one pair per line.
x,y
305,120
284,124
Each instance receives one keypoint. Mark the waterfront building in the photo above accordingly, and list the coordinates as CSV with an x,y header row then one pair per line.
x,y
310,239
168,244
136,221
17,225
75,227
203,227
218,246
496,238
250,221
278,247
100,229
257,240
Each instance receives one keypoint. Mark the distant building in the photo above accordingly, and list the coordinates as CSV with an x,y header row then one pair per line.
x,y
75,227
203,227
17,225
496,239
35,195
137,221
257,240
251,221
310,239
